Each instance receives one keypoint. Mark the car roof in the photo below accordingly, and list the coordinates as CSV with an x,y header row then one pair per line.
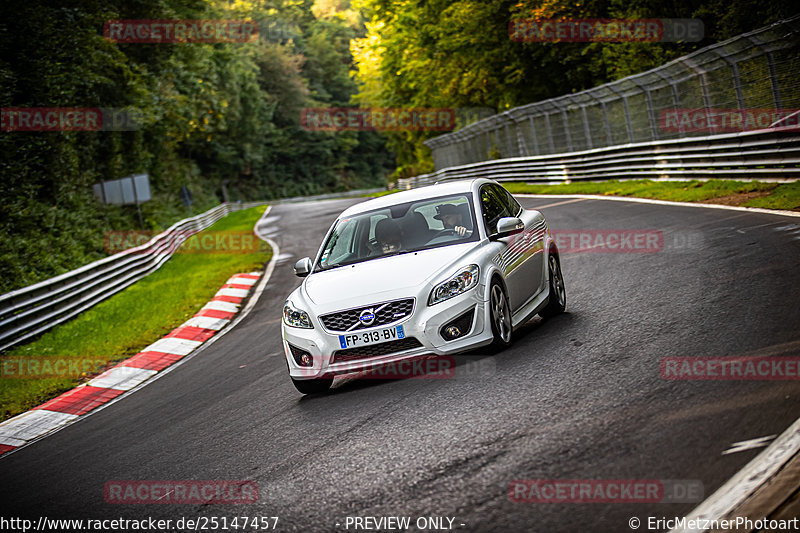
x,y
431,191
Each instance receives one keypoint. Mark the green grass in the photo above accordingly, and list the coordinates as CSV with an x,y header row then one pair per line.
x,y
784,196
781,196
379,193
136,317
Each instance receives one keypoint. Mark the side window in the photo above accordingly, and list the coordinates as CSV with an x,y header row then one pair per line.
x,y
340,244
344,241
512,206
493,208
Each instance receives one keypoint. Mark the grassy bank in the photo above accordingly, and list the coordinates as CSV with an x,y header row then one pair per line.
x,y
726,192
138,316
379,193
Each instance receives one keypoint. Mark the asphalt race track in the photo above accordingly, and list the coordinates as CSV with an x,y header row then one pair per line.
x,y
577,397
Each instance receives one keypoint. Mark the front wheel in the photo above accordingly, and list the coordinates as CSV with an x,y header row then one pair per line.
x,y
312,386
557,299
500,318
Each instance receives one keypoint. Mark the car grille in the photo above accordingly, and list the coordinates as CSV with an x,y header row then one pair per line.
x,y
376,350
385,313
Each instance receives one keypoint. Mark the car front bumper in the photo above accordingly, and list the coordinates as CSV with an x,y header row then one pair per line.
x,y
424,325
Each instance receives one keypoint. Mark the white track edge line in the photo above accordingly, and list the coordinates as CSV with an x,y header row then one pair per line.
x,y
259,289
665,202
748,480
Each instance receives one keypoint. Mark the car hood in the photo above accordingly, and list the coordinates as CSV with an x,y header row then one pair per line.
x,y
371,281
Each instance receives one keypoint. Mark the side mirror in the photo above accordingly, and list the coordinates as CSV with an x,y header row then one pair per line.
x,y
507,226
303,267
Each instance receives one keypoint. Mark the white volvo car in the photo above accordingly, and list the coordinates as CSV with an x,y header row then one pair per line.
x,y
435,270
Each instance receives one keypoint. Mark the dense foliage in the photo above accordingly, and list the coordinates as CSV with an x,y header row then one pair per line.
x,y
225,117
214,115
459,53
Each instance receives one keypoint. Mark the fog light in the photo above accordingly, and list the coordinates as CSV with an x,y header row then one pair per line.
x,y
458,327
301,357
453,332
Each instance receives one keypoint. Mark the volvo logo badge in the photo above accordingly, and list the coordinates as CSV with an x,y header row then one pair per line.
x,y
367,317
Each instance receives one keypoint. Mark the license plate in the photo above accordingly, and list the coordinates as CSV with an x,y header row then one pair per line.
x,y
372,337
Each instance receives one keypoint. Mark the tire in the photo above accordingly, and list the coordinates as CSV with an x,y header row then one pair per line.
x,y
499,316
555,305
312,386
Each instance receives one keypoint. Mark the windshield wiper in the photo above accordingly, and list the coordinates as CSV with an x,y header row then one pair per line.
x,y
365,259
399,252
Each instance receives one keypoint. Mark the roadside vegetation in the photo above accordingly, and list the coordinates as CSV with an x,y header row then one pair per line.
x,y
138,316
379,193
225,119
219,118
457,53
728,192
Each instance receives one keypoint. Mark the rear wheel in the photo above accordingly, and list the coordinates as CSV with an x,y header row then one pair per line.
x,y
312,386
557,300
500,315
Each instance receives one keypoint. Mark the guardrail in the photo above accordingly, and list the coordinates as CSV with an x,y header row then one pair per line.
x,y
32,310
752,75
326,196
770,153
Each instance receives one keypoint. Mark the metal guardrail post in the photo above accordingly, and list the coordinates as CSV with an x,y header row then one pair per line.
x,y
464,150
776,91
522,147
508,142
533,134
549,132
737,82
563,110
628,125
650,109
676,98
586,129
700,74
773,77
606,124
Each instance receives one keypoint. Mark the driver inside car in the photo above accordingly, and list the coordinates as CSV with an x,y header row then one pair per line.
x,y
388,235
452,218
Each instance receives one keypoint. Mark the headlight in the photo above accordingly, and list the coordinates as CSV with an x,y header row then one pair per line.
x,y
295,317
466,279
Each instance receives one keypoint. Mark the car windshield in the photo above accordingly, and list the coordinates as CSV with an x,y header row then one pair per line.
x,y
400,228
